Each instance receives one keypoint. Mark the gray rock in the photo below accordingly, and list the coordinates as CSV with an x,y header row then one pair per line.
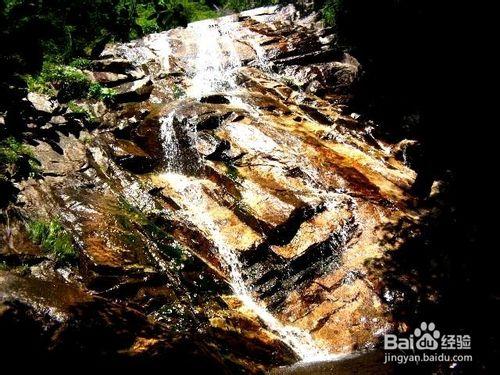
x,y
42,103
116,65
58,120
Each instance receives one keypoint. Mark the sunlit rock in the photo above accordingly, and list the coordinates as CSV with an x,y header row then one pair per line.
x,y
229,164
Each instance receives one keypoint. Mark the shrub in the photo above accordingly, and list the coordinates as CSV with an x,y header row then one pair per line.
x,y
178,92
82,111
129,217
17,160
240,5
146,21
175,13
96,91
68,82
290,82
80,63
52,237
76,108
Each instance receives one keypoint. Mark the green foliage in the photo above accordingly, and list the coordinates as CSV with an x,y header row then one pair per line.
x,y
37,84
146,19
68,83
332,10
232,172
72,28
178,92
70,31
290,82
87,139
96,91
174,13
11,151
80,63
17,160
130,218
79,109
328,12
75,108
240,5
52,237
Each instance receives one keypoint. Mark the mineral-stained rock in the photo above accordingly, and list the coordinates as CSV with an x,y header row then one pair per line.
x,y
16,247
229,163
115,65
406,150
109,77
336,75
131,156
125,256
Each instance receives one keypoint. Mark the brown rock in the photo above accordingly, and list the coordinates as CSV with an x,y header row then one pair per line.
x,y
109,77
131,156
59,322
134,91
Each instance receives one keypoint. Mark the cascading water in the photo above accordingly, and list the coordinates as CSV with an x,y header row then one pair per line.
x,y
160,44
214,67
195,211
169,142
262,60
215,71
185,159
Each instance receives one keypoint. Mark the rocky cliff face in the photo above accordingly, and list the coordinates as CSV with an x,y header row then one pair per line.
x,y
227,194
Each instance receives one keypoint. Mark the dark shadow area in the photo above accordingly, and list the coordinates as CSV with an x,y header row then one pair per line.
x,y
417,84
444,273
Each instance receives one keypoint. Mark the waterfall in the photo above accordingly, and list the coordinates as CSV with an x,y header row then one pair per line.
x,y
195,210
214,71
160,44
263,61
215,67
169,142
179,139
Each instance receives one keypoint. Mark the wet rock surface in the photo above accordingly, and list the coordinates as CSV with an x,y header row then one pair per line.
x,y
225,171
52,319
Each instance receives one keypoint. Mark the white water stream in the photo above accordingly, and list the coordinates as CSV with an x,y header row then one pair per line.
x,y
215,69
217,60
195,210
169,142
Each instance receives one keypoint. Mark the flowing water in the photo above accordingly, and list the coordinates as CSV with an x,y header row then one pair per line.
x,y
170,144
160,44
215,67
190,191
215,71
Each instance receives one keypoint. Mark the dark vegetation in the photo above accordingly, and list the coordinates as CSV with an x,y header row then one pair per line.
x,y
65,31
53,239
